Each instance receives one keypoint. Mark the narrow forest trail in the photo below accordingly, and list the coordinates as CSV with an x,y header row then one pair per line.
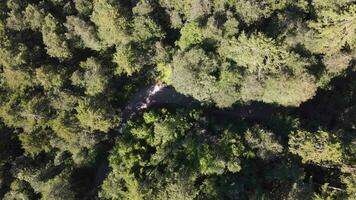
x,y
140,101
156,94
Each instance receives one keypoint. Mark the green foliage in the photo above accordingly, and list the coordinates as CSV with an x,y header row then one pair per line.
x,y
263,143
86,32
36,142
25,110
12,53
34,16
331,23
178,190
94,117
84,7
330,4
261,55
191,34
126,60
251,11
112,24
300,191
65,127
55,42
56,187
186,73
264,74
195,68
273,74
19,190
143,7
9,150
231,26
16,79
350,181
93,77
287,91
165,72
14,20
224,155
338,62
320,147
326,193
187,10
146,29
175,151
270,75
49,77
176,8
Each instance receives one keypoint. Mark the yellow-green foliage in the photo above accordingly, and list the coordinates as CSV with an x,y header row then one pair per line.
x,y
65,127
111,22
331,23
35,142
191,34
263,143
49,78
86,32
223,156
254,10
125,59
84,7
55,43
349,179
244,84
92,76
259,54
319,147
165,72
173,149
93,117
146,29
34,16
288,91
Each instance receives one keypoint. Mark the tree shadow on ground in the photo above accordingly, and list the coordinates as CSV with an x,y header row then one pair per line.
x,y
331,108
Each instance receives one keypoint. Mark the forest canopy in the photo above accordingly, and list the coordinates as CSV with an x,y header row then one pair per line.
x,y
251,99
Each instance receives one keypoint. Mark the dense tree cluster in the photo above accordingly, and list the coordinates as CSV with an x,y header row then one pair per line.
x,y
181,154
68,68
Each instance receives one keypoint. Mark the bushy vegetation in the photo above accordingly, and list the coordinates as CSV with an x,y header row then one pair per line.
x,y
271,84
